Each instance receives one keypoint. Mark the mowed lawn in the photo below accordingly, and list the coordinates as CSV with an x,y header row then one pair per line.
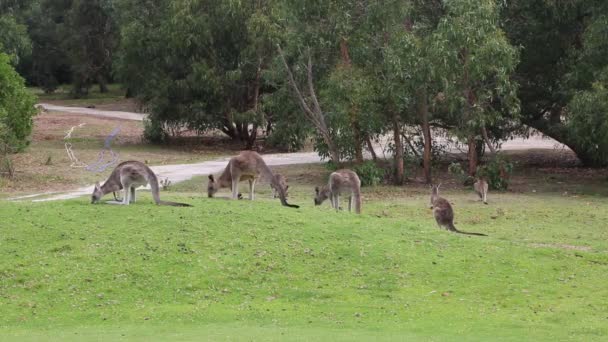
x,y
241,270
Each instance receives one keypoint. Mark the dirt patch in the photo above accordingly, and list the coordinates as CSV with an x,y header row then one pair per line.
x,y
561,246
53,126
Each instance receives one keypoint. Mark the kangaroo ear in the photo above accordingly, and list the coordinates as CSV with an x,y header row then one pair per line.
x,y
97,186
287,187
438,185
316,189
211,178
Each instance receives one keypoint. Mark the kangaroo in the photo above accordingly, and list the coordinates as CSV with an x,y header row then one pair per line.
x,y
128,176
341,182
481,188
248,165
443,212
282,181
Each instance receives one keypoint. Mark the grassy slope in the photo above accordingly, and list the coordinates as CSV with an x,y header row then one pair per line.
x,y
242,270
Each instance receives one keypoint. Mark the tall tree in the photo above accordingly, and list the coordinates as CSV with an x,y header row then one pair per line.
x,y
90,40
475,62
199,64
564,44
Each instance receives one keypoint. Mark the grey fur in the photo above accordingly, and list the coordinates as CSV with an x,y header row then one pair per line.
x,y
443,212
481,188
127,176
341,182
248,165
282,181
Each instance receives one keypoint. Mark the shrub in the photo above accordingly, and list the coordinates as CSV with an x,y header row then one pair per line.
x,y
16,108
497,172
456,170
369,173
154,131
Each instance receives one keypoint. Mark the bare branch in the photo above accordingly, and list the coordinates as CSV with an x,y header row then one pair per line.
x,y
294,85
311,87
484,133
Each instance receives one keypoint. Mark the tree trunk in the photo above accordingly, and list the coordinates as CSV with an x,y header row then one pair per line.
x,y
353,112
310,106
486,139
560,133
334,155
103,84
399,170
370,147
472,156
357,137
423,114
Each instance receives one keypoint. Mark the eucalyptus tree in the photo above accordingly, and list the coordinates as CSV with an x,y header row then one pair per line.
x,y
16,112
89,39
563,62
14,38
199,64
474,61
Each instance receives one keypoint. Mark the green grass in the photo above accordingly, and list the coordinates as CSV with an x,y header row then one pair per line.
x,y
241,270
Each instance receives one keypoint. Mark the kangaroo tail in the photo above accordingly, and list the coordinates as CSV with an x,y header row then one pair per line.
x,y
453,228
268,174
156,192
173,204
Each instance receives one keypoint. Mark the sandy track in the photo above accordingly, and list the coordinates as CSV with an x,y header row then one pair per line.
x,y
182,172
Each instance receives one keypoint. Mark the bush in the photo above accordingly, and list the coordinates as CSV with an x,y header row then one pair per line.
x,y
497,173
369,173
16,108
154,131
456,170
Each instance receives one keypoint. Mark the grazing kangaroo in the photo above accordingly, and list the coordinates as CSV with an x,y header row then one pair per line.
x,y
443,212
481,188
128,176
248,165
282,181
341,182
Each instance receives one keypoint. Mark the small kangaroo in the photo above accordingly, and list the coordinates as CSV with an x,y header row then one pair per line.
x,y
481,188
127,176
282,181
248,165
443,212
341,182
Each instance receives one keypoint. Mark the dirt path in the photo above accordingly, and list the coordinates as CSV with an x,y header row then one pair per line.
x,y
182,172
93,112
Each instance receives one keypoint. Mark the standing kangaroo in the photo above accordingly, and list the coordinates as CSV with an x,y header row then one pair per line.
x,y
282,181
341,182
127,176
481,188
248,165
443,212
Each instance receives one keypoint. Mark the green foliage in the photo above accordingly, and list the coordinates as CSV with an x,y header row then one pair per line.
x,y
455,169
16,107
474,61
154,132
497,172
199,64
588,122
14,39
369,173
558,64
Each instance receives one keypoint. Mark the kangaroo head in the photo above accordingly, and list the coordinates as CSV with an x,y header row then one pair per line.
x,y
212,187
434,193
281,181
97,194
321,194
